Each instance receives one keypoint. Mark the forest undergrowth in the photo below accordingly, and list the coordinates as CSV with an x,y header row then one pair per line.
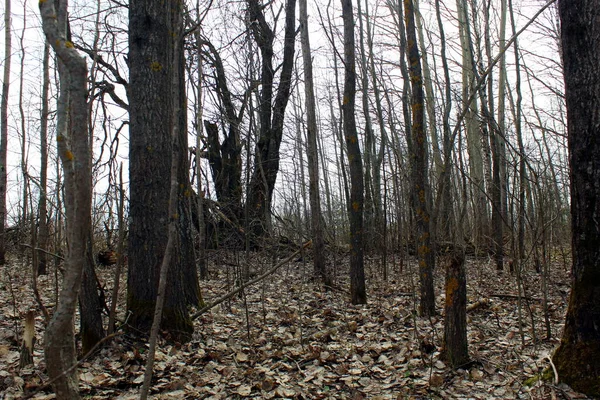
x,y
287,337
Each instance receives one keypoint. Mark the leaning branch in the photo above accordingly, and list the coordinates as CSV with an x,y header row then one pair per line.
x,y
250,283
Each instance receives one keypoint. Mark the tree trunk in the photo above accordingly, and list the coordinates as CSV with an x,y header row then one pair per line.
x,y
272,112
202,263
472,128
90,303
419,168
313,158
577,359
185,255
444,208
369,223
74,152
43,232
4,127
176,220
499,153
151,70
355,207
455,348
224,157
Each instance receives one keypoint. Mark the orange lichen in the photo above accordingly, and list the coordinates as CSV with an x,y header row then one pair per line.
x,y
156,66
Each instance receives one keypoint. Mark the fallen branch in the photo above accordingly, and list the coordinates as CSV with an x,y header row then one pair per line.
x,y
478,304
513,297
249,283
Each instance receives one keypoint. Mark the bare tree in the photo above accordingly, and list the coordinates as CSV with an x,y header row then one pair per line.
x,y
419,168
43,231
313,159
358,291
4,127
74,152
271,113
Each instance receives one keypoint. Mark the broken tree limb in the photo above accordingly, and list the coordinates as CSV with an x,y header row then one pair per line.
x,y
513,297
28,340
250,283
478,304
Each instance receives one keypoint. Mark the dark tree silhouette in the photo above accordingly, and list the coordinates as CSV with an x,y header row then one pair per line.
x,y
577,359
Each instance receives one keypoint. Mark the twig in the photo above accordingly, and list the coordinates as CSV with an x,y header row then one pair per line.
x,y
43,251
553,369
250,283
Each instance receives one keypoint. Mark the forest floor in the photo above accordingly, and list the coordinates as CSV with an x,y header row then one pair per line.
x,y
288,338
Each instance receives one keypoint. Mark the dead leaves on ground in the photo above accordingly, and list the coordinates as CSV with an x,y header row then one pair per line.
x,y
286,338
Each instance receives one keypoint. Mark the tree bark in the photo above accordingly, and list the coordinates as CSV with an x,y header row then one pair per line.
x,y
472,127
419,168
455,348
272,112
152,67
74,152
498,136
90,303
43,232
313,158
577,359
355,207
225,156
4,127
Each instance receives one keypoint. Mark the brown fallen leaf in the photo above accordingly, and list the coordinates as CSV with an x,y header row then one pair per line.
x,y
436,380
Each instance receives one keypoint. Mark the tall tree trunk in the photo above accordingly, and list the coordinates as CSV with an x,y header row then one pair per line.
x,y
4,127
498,136
358,291
74,152
443,211
176,221
312,152
225,158
577,359
43,232
419,168
185,255
472,127
370,224
272,112
90,301
522,157
152,68
202,265
430,103
378,159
